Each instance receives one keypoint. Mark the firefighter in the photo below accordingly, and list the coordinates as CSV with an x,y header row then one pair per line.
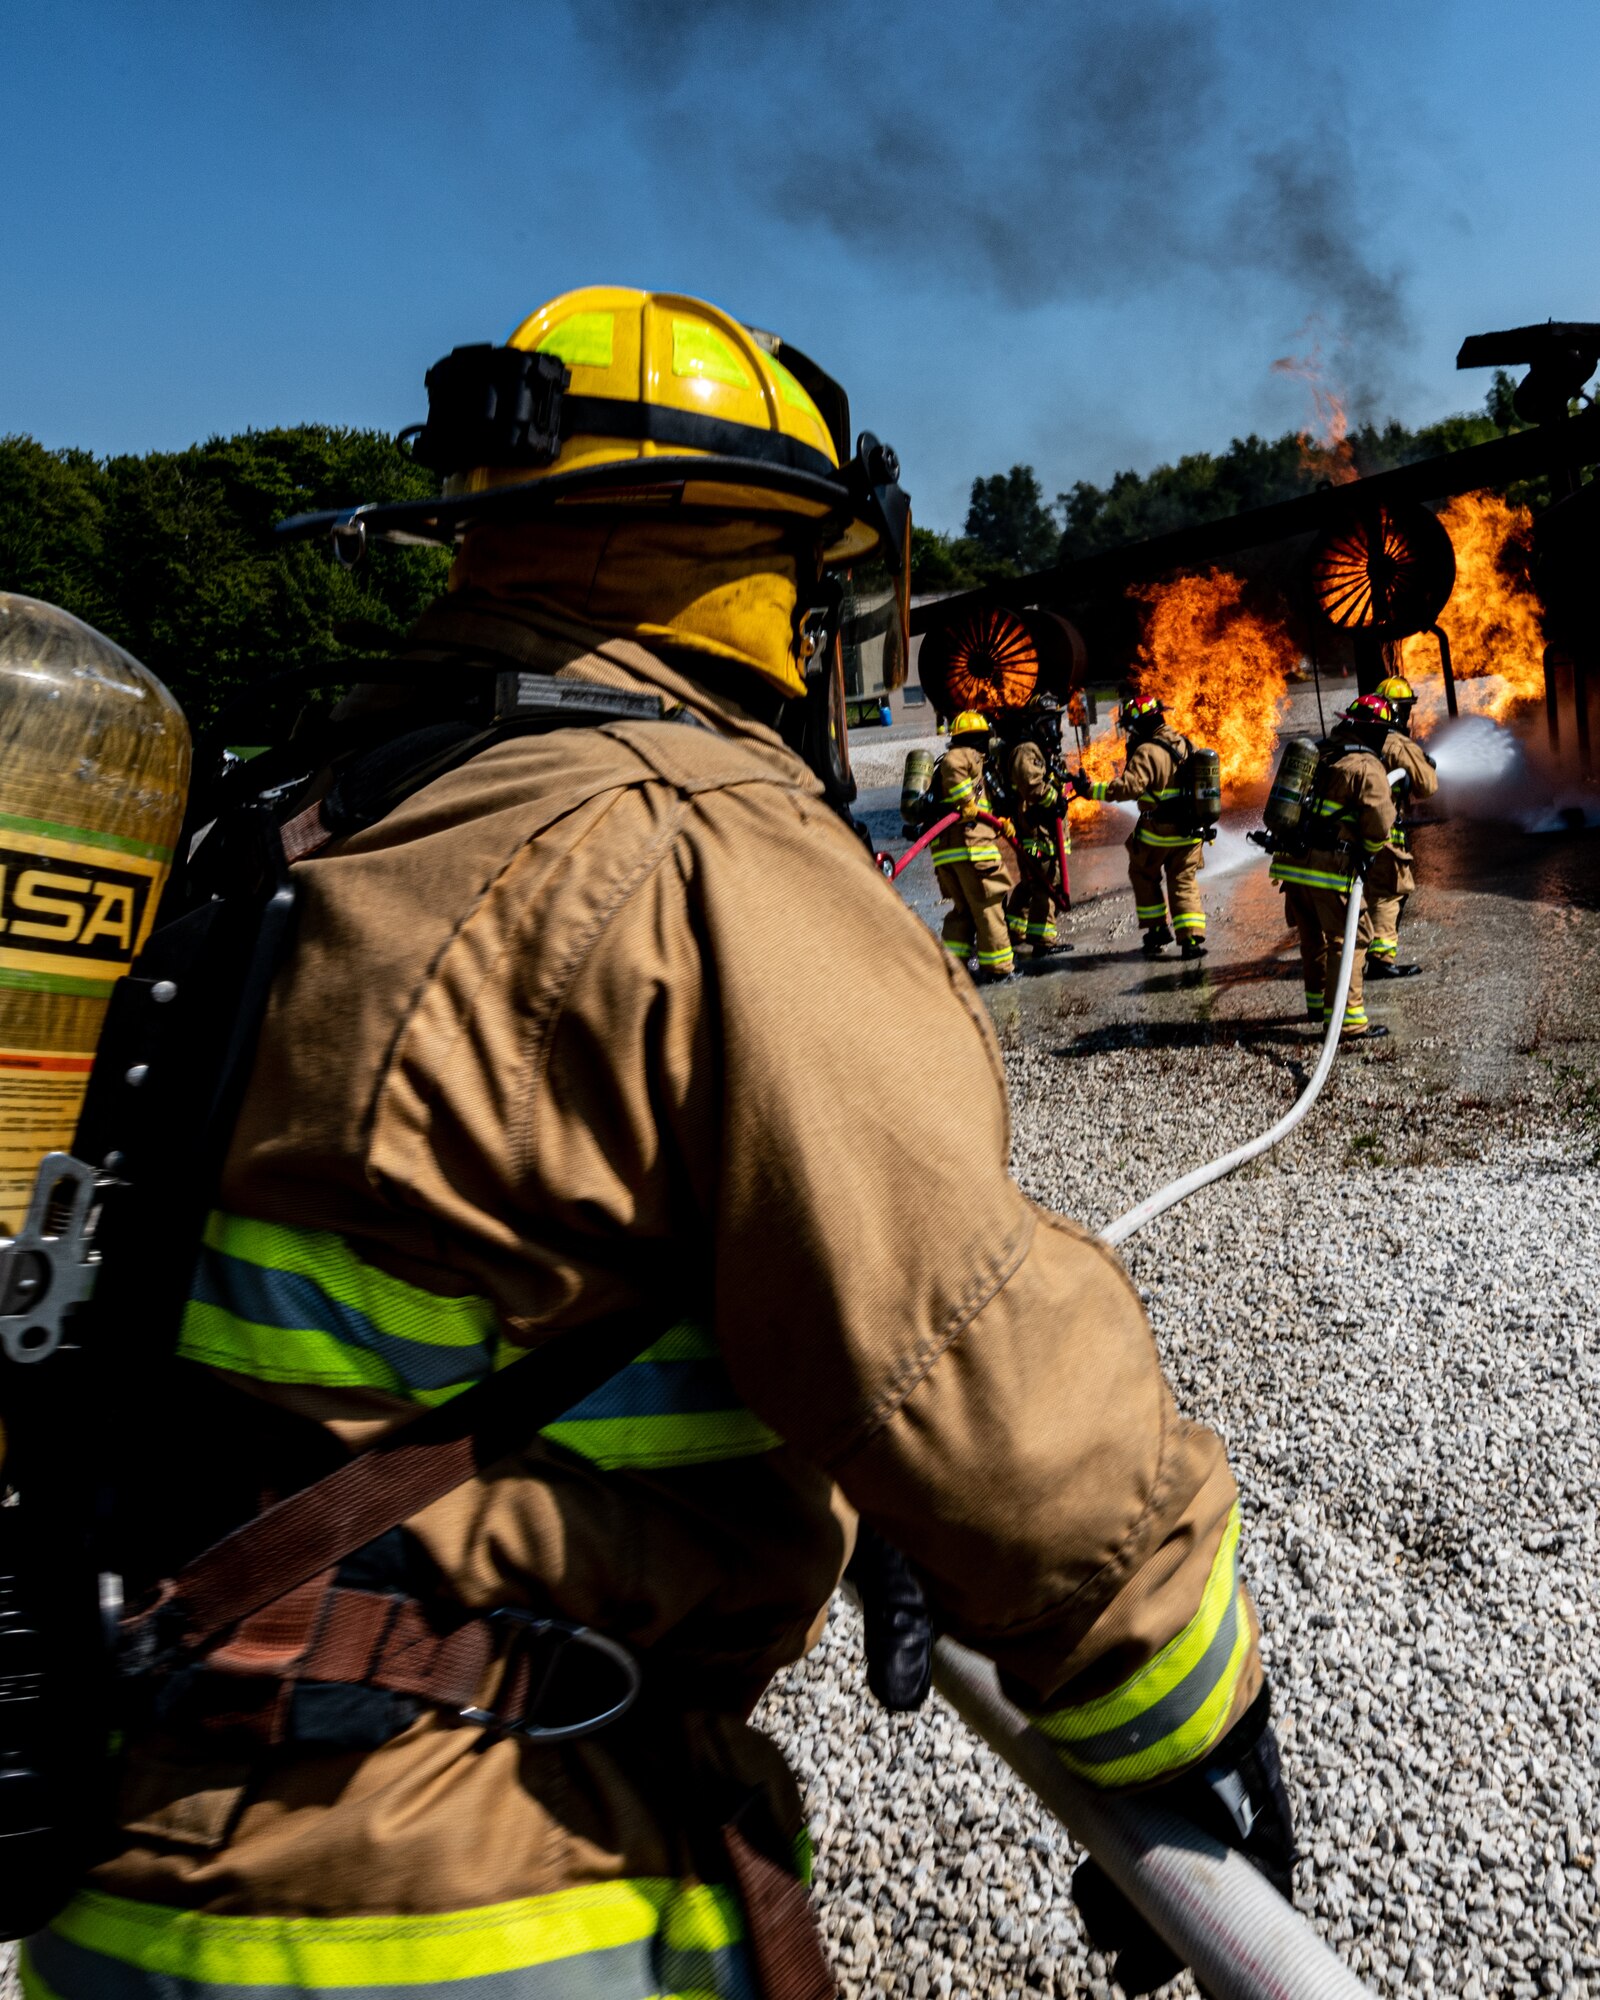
x,y
1352,811
968,864
578,1036
1040,815
1162,844
1391,879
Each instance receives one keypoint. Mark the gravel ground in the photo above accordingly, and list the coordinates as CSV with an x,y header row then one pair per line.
x,y
1388,1321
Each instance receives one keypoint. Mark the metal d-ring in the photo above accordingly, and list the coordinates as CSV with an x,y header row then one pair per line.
x,y
569,1635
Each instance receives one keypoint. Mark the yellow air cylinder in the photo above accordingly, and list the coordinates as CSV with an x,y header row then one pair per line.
x,y
94,767
918,776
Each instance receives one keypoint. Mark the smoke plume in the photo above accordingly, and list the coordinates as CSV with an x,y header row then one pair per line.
x,y
1037,150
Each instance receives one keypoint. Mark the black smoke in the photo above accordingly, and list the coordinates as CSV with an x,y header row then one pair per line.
x,y
1038,150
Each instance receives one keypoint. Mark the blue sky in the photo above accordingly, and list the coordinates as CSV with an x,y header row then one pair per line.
x,y
1072,232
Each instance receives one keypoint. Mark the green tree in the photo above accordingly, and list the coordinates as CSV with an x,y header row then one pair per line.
x,y
1010,522
1256,472
941,563
52,518
173,554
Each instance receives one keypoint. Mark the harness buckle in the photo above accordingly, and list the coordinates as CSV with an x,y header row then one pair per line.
x,y
569,1668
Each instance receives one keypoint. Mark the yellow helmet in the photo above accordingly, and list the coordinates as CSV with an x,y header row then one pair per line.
x,y
684,379
1396,689
655,404
609,395
969,723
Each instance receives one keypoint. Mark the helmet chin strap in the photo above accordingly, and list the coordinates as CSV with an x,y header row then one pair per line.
x,y
813,725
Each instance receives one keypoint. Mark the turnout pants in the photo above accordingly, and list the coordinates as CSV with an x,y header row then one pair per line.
x,y
1164,877
975,925
1389,880
1031,916
1321,929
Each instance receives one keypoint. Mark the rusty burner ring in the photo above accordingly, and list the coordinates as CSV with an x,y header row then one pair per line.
x,y
1388,571
994,659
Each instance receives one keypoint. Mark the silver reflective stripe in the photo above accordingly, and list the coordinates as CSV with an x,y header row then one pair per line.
x,y
1174,1709
647,1970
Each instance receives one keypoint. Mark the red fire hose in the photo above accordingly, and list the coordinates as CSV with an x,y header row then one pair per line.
x,y
933,831
1061,862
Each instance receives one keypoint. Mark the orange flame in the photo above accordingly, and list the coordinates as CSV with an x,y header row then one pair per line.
x,y
1492,618
1102,760
1325,450
1220,666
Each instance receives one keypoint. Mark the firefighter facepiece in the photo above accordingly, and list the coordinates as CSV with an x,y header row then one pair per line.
x,y
1402,699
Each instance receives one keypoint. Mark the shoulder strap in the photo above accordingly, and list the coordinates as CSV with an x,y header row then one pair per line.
x,y
408,1469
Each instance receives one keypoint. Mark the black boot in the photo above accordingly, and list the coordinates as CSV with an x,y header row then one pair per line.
x,y
1385,968
1155,941
897,1628
1194,947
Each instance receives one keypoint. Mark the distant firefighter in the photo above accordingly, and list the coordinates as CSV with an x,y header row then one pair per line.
x,y
966,858
1165,842
1039,812
1349,817
1391,878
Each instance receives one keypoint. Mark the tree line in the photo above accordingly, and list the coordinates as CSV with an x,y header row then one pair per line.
x,y
1011,529
172,554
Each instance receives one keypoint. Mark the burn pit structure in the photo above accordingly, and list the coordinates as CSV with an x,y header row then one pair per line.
x,y
1372,530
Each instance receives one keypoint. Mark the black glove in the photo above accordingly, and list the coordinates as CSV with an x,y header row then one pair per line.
x,y
1083,784
1238,1795
899,1631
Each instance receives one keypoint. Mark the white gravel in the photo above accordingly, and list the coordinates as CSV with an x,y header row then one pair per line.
x,y
1388,1320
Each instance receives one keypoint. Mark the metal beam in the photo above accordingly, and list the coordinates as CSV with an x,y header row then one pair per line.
x,y
1524,455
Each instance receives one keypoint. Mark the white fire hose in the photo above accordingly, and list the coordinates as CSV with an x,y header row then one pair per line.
x,y
1218,1913
1179,1190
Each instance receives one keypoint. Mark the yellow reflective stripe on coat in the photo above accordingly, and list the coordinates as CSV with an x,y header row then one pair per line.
x,y
962,790
1148,838
1174,1708
1284,870
280,1304
635,1939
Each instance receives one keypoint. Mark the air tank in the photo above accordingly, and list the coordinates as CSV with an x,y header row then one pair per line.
x,y
914,783
94,767
1291,785
1205,786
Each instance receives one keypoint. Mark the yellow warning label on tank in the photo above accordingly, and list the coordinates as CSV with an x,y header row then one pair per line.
x,y
74,908
41,1092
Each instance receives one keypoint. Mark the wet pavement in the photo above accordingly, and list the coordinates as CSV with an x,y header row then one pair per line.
x,y
1505,924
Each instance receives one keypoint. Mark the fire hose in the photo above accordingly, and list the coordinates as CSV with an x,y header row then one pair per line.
x,y
896,869
1243,1940
1218,1914
1180,1190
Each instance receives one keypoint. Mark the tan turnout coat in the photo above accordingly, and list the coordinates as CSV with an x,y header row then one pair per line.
x,y
624,1017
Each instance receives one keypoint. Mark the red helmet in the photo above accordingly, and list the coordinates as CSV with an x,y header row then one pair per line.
x,y
1369,711
1143,708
